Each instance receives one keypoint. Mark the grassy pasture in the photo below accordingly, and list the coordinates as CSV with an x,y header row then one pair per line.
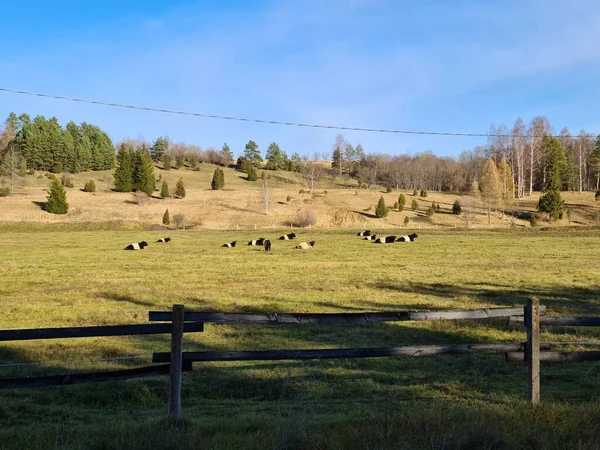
x,y
65,275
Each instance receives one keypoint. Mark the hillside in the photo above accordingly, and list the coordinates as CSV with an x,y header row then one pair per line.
x,y
336,203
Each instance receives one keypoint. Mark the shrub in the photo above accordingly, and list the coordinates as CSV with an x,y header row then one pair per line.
x,y
401,202
301,191
166,162
597,195
66,181
23,169
306,217
415,193
429,212
50,176
56,202
4,191
31,171
179,220
252,173
218,180
406,221
381,210
388,190
180,189
414,205
140,198
423,193
57,168
166,220
456,208
533,220
569,216
90,186
397,206
164,190
288,199
179,162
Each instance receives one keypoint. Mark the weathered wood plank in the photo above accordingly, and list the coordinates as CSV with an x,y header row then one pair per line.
x,y
557,356
567,321
338,318
94,377
381,352
176,362
97,331
532,350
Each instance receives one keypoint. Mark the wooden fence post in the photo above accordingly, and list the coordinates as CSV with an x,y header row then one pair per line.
x,y
176,363
532,351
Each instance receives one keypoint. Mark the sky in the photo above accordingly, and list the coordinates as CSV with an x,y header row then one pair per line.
x,y
451,66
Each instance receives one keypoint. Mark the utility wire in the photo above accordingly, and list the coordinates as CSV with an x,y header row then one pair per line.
x,y
245,119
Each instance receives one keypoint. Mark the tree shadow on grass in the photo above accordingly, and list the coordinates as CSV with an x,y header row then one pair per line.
x,y
41,205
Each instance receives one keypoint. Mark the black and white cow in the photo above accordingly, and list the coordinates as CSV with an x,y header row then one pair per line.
x,y
137,246
287,237
260,242
306,245
370,238
167,239
364,233
385,240
230,244
408,238
267,245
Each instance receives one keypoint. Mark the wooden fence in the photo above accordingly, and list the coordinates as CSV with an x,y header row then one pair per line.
x,y
180,321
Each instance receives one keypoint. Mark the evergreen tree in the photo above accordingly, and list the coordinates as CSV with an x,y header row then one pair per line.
x,y
102,151
166,162
164,190
414,205
550,201
252,173
56,202
180,189
123,175
159,148
406,221
490,186
456,208
381,210
166,219
276,158
226,155
294,163
401,202
252,153
143,171
218,179
90,186
241,164
569,175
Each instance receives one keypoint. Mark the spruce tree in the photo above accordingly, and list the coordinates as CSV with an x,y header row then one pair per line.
x,y
180,189
166,219
56,202
217,181
382,210
456,208
401,202
164,190
123,175
221,178
550,201
143,173
166,162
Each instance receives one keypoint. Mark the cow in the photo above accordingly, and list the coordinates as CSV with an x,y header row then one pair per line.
x,y
267,245
167,239
229,244
259,242
385,240
408,238
370,238
137,246
287,237
364,233
306,245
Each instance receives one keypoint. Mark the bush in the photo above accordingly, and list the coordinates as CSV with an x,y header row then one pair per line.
x,y
429,212
166,220
288,199
401,202
415,193
57,168
179,220
406,221
397,206
180,189
306,217
66,181
533,220
31,171
140,198
4,192
166,162
388,190
597,195
50,176
218,180
90,186
423,193
381,210
164,190
56,202
252,173
456,208
414,205
23,169
301,191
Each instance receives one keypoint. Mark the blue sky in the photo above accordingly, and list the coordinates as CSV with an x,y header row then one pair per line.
x,y
433,65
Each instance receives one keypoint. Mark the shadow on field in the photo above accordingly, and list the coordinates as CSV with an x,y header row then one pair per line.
x,y
123,298
558,299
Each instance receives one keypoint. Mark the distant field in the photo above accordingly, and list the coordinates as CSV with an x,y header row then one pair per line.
x,y
67,275
337,203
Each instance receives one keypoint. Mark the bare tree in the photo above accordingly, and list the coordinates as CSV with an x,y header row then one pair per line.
x,y
312,172
518,146
538,128
491,187
266,193
585,146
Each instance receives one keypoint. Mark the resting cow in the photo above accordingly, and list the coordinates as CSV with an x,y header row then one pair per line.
x,y
229,244
137,246
364,233
408,238
259,242
287,237
385,240
306,245
167,239
370,238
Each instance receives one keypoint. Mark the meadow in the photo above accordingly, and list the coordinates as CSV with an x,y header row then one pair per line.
x,y
56,275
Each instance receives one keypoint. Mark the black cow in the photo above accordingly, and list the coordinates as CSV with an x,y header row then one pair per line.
x,y
137,246
259,242
385,240
287,237
167,239
370,238
267,245
408,238
229,244
364,233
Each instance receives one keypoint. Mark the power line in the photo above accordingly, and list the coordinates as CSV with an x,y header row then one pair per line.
x,y
245,119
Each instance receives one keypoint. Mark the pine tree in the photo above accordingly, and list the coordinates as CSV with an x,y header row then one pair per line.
x,y
164,190
218,180
382,210
491,189
401,202
550,201
166,219
166,162
252,173
414,205
456,208
123,175
56,202
226,155
143,171
276,158
159,148
180,189
252,153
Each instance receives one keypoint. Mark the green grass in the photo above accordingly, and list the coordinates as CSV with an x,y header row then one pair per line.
x,y
65,275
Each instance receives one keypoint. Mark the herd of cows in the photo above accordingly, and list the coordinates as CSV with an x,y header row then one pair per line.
x,y
266,243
